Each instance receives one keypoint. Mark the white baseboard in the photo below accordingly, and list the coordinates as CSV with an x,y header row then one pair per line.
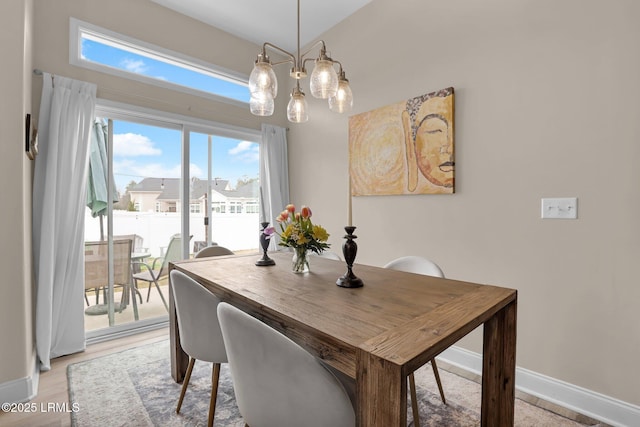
x,y
595,405
23,389
26,388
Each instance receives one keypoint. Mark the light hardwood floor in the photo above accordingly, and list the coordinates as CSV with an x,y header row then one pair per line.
x,y
53,387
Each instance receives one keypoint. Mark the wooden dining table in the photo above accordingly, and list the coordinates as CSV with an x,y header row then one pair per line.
x,y
376,334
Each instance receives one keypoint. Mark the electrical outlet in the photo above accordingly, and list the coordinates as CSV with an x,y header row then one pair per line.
x,y
560,208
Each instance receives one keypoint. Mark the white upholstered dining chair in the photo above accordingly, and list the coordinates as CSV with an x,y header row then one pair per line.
x,y
214,250
276,382
419,265
200,335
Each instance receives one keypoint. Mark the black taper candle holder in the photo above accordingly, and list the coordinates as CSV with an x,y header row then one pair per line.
x,y
264,242
349,250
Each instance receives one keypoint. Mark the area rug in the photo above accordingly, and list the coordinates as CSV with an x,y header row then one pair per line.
x,y
135,388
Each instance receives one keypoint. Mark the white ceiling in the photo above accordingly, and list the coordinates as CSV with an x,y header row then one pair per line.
x,y
273,21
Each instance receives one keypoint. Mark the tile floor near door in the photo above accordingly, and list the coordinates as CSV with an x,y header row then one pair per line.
x,y
146,310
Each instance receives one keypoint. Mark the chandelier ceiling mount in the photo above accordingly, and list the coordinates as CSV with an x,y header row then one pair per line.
x,y
325,82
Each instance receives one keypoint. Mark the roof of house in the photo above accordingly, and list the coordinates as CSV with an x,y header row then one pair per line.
x,y
169,188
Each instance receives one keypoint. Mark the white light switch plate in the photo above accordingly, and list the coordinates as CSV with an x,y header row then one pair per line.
x,y
560,208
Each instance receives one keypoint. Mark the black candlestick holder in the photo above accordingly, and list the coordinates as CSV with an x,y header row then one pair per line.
x,y
264,242
349,250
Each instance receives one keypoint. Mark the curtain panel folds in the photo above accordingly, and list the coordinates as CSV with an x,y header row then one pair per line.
x,y
59,195
274,173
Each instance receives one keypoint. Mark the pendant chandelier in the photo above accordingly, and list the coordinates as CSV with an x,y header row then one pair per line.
x,y
325,82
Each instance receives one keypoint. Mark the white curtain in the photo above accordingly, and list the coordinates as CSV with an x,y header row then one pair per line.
x,y
66,114
274,173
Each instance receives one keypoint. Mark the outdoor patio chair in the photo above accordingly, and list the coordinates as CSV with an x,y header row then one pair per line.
x,y
136,248
96,273
137,241
159,269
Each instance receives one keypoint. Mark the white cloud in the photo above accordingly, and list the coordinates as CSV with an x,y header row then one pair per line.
x,y
131,145
241,147
194,170
245,151
134,65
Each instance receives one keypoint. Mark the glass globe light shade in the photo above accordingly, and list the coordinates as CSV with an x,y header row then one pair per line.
x,y
343,100
261,105
324,79
297,108
263,80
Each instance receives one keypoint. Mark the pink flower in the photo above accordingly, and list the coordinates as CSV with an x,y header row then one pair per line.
x,y
305,212
269,232
284,215
291,208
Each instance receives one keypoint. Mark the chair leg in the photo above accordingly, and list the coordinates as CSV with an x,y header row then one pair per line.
x,y
161,296
414,400
215,378
437,375
132,289
135,285
185,383
149,291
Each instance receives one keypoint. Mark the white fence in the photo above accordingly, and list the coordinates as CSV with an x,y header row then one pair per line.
x,y
234,231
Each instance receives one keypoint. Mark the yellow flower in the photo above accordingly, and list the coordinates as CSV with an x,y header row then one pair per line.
x,y
299,232
319,233
287,232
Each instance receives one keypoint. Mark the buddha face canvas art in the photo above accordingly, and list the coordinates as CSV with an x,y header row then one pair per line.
x,y
404,148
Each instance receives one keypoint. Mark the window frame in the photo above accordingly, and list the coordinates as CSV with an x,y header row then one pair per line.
x,y
78,28
186,124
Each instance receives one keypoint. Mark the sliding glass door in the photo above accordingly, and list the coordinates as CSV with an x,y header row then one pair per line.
x,y
144,216
225,191
173,187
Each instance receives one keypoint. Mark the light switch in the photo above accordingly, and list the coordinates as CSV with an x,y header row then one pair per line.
x,y
560,208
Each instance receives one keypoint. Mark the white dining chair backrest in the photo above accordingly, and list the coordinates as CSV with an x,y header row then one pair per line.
x,y
415,264
419,265
278,383
200,334
213,251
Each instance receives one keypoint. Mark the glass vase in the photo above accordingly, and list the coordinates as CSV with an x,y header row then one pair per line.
x,y
300,261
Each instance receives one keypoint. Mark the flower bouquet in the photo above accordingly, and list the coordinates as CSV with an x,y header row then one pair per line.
x,y
298,232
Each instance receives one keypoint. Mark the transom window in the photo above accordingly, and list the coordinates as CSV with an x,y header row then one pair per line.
x,y
103,50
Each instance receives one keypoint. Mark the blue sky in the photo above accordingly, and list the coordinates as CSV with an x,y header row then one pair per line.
x,y
125,60
149,151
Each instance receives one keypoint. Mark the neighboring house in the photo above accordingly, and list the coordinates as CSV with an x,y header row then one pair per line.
x,y
163,195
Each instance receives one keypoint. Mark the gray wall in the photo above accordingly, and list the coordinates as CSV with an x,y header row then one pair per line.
x,y
16,350
546,105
